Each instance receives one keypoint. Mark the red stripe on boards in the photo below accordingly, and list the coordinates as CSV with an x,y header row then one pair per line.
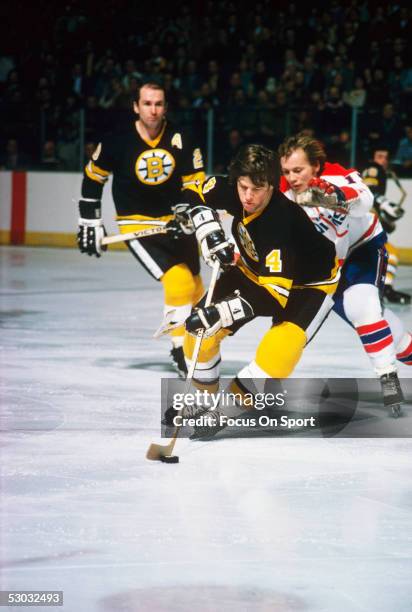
x,y
18,207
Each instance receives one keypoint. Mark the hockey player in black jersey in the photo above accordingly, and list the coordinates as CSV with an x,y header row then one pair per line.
x,y
286,269
375,176
151,161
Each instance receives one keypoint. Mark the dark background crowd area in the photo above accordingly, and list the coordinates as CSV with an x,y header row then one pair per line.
x,y
69,72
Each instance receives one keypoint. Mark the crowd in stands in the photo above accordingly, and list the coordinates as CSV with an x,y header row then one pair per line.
x,y
266,68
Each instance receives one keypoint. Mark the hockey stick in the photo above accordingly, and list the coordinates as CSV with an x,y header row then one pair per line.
x,y
397,182
132,235
157,452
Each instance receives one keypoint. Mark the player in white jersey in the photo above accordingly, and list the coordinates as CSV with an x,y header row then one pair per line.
x,y
339,203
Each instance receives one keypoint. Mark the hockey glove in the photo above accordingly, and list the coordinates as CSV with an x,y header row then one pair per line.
x,y
390,209
211,237
322,193
183,219
91,229
174,229
223,314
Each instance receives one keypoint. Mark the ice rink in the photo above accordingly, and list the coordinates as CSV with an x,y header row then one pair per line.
x,y
249,524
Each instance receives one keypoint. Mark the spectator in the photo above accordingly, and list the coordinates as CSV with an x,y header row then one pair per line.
x,y
7,65
336,114
115,96
49,159
357,95
206,99
12,158
130,72
227,150
403,156
385,128
378,94
191,82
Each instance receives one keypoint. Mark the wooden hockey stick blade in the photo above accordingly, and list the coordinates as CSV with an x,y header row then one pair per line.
x,y
155,451
132,235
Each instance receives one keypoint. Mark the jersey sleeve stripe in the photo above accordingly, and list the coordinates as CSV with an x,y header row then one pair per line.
x,y
198,178
95,173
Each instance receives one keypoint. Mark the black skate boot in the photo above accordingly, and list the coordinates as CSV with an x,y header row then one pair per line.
x,y
178,359
392,393
396,297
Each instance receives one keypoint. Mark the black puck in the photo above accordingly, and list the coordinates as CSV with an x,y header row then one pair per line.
x,y
169,459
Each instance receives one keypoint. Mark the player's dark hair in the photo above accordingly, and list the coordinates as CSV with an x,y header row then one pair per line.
x,y
258,163
379,146
314,149
150,85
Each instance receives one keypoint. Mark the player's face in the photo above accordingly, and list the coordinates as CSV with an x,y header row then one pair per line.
x,y
254,198
298,170
151,107
382,158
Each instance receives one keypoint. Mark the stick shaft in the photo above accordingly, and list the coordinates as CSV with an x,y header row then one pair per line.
x,y
133,235
156,449
196,350
397,182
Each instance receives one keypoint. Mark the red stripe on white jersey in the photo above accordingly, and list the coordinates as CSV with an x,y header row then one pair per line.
x,y
372,327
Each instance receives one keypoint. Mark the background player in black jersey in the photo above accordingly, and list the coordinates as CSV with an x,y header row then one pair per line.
x,y
286,270
151,161
375,176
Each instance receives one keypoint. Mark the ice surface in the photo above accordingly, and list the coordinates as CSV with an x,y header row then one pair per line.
x,y
239,524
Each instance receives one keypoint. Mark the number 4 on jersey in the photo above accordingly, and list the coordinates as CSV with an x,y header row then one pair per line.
x,y
273,261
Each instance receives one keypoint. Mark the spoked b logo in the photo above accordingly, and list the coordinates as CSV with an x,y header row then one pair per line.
x,y
154,166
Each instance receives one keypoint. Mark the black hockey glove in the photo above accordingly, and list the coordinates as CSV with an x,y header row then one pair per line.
x,y
223,314
91,230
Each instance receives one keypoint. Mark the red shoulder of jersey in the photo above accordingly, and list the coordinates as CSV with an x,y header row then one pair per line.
x,y
336,170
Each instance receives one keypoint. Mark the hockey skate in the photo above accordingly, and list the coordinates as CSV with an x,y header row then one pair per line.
x,y
189,412
396,297
178,360
211,425
392,393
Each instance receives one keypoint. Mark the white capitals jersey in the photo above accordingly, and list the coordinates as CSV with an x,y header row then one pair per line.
x,y
346,230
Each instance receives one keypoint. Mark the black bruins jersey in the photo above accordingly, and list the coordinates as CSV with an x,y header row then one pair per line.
x,y
375,177
147,175
279,247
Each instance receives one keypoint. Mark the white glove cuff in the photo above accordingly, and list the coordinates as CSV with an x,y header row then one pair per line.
x,y
206,229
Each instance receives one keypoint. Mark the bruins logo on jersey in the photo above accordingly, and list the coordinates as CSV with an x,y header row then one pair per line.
x,y
154,166
247,242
